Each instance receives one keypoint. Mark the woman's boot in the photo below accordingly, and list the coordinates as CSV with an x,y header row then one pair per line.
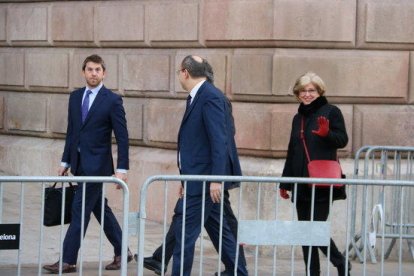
x,y
341,269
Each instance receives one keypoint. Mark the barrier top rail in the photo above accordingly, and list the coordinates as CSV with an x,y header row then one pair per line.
x,y
371,149
379,147
105,179
399,148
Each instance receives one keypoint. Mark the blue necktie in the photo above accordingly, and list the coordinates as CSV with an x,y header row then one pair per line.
x,y
85,105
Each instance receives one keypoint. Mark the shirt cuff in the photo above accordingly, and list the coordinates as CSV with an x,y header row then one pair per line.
x,y
64,164
122,171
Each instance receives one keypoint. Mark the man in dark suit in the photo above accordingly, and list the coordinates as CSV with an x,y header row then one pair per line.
x,y
93,113
154,262
206,146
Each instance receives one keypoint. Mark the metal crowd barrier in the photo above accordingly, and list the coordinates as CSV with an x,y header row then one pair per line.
x,y
388,209
268,227
35,244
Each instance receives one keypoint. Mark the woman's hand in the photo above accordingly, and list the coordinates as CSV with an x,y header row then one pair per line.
x,y
283,193
323,129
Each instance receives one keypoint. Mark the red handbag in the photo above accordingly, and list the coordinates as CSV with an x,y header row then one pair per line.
x,y
321,168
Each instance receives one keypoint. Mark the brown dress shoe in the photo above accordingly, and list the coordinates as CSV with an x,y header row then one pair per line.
x,y
116,264
54,268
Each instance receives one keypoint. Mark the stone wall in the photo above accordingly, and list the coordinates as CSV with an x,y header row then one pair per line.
x,y
362,49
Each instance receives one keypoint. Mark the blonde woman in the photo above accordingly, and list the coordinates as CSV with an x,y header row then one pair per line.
x,y
324,132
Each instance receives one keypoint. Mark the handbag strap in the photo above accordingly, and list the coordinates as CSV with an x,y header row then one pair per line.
x,y
302,137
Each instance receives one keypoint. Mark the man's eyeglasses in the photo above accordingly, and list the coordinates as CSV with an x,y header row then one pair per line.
x,y
310,91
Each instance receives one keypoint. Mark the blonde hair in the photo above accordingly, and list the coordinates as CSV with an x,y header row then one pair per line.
x,y
306,79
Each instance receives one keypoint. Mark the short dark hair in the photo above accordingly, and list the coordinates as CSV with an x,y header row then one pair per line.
x,y
198,69
95,59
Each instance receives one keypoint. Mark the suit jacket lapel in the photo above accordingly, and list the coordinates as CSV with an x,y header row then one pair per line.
x,y
194,102
78,105
187,113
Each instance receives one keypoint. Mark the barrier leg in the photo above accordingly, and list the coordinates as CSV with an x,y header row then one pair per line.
x,y
411,247
387,254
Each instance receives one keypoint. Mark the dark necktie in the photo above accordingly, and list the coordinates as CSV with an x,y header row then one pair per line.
x,y
85,105
188,103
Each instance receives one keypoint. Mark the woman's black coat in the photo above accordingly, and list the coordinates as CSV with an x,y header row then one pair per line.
x,y
320,148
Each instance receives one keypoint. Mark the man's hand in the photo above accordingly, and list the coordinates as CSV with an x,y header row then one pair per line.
x,y
283,193
62,171
215,191
121,176
181,192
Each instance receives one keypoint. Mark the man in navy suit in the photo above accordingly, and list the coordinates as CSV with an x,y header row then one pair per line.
x,y
206,146
154,262
93,113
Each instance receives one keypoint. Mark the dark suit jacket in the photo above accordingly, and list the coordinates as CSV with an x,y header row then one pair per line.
x,y
93,137
206,138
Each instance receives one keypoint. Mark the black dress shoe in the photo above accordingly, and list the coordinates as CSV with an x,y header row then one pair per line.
x,y
54,268
116,263
152,264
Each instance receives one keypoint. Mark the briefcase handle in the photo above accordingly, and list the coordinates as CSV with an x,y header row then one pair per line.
x,y
54,185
